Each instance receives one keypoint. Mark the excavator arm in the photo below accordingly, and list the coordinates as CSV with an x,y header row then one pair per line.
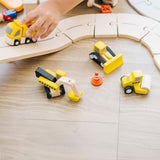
x,y
74,94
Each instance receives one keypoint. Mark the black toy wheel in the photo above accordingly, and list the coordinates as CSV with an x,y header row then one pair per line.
x,y
128,90
28,40
16,43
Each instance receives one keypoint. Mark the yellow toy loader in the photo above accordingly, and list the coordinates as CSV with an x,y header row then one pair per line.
x,y
108,61
136,81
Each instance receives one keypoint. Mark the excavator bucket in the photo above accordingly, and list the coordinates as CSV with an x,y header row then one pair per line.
x,y
113,63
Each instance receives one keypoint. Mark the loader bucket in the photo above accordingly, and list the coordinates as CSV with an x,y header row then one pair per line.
x,y
113,63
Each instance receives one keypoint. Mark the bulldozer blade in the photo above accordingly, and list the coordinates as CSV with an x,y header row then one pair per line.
x,y
113,63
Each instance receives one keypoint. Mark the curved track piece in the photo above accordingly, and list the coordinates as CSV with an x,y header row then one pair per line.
x,y
78,27
157,61
134,26
151,41
56,42
72,29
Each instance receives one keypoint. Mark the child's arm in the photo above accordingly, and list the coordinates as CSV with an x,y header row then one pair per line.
x,y
47,16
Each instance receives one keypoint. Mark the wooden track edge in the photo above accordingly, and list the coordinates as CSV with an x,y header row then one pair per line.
x,y
12,58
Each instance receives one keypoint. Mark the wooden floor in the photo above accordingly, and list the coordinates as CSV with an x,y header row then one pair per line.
x,y
105,124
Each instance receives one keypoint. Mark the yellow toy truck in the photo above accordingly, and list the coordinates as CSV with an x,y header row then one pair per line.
x,y
105,57
137,82
16,33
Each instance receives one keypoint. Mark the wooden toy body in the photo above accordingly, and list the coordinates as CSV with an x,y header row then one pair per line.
x,y
13,4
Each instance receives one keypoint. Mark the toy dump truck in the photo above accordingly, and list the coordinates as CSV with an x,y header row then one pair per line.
x,y
105,57
137,82
16,33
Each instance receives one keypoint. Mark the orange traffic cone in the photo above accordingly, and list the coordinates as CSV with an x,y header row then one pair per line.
x,y
96,80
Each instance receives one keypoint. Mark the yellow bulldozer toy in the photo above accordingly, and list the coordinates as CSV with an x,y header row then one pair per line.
x,y
137,82
105,57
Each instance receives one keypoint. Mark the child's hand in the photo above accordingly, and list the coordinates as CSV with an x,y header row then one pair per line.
x,y
46,17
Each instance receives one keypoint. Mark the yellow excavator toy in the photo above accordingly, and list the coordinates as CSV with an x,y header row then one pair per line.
x,y
54,84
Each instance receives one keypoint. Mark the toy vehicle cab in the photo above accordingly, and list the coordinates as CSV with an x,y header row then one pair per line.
x,y
100,48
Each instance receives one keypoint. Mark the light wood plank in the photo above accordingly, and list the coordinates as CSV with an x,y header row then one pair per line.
x,y
139,117
45,139
87,109
34,127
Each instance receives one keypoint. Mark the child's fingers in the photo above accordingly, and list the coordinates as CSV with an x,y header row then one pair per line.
x,y
49,30
29,18
35,26
42,30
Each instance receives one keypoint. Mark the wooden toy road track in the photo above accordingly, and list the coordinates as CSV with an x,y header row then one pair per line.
x,y
70,30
